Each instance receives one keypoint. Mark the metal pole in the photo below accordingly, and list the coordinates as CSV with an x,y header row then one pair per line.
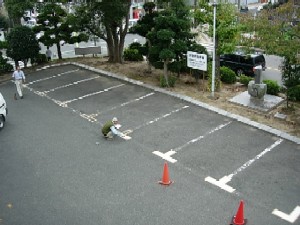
x,y
214,53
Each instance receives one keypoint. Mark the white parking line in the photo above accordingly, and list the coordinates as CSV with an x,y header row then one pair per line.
x,y
161,117
68,85
222,183
167,155
92,117
292,217
91,94
58,75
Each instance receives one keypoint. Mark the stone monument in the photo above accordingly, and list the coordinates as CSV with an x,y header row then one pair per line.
x,y
256,88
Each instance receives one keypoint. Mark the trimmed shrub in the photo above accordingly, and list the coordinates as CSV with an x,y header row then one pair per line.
x,y
135,45
245,79
40,59
132,55
3,44
5,68
163,83
227,75
293,93
133,52
158,65
272,87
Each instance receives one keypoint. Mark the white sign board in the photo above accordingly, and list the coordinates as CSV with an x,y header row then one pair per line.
x,y
197,61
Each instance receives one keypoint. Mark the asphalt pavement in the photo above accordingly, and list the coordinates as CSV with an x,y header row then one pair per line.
x,y
56,168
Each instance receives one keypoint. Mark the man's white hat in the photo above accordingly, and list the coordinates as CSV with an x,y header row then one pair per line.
x,y
115,119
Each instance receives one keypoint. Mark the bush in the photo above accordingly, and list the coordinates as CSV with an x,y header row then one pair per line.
x,y
3,44
227,75
245,80
158,65
171,80
6,68
272,87
135,45
40,58
293,93
132,55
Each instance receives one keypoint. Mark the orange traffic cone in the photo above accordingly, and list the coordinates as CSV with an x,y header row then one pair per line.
x,y
165,178
238,219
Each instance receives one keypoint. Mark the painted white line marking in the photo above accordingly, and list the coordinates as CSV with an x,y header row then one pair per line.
x,y
92,117
222,183
159,118
48,78
201,137
292,217
91,94
167,155
247,164
72,84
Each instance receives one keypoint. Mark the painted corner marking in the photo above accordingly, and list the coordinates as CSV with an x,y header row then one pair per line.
x,y
292,217
222,183
166,156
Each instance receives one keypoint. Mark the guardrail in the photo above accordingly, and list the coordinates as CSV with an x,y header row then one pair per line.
x,y
88,50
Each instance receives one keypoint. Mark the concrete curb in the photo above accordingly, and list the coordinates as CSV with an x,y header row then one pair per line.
x,y
239,118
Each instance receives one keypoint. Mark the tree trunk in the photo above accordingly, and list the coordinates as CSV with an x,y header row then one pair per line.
x,y
58,50
115,45
148,61
166,71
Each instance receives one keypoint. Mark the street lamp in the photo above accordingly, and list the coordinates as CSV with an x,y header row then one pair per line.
x,y
214,4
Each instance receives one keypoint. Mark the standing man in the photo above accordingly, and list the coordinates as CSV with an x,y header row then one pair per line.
x,y
19,78
48,54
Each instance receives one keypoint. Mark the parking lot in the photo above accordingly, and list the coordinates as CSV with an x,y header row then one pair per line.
x,y
215,159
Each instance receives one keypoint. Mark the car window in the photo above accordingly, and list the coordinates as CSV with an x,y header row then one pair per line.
x,y
259,60
246,60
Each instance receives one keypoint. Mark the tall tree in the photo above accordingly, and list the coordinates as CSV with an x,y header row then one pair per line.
x,y
107,20
276,31
16,9
22,44
56,27
171,37
144,26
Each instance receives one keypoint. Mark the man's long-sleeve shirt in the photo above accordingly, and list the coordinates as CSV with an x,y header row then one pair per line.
x,y
18,75
116,132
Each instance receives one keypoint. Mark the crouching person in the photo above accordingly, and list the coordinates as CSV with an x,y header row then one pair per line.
x,y
110,129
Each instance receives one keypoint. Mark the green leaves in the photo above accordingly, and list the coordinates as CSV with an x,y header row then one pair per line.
x,y
22,44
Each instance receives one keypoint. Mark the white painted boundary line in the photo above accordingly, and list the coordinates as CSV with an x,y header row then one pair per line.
x,y
71,84
292,217
91,94
191,100
222,183
167,155
91,117
48,78
161,117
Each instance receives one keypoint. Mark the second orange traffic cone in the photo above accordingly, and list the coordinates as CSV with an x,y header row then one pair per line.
x,y
238,219
165,177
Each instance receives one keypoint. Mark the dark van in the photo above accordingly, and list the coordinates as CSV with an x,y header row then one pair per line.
x,y
243,64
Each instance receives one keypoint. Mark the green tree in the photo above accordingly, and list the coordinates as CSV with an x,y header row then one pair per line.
x,y
107,20
275,31
22,44
171,38
227,30
4,24
16,9
144,26
57,28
